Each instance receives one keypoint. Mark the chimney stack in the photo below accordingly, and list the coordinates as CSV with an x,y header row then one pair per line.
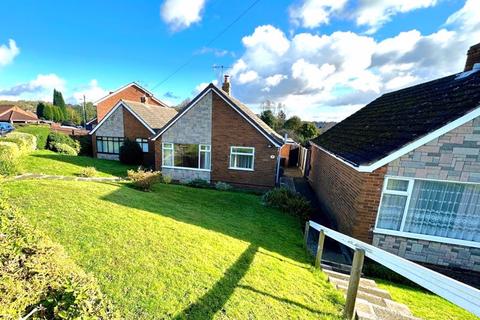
x,y
143,99
226,84
473,56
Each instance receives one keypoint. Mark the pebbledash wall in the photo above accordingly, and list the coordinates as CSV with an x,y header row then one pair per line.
x,y
194,127
112,127
454,156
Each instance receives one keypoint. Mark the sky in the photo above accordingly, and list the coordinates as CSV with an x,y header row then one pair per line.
x,y
322,59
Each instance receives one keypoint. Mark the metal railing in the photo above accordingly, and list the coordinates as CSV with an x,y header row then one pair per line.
x,y
452,290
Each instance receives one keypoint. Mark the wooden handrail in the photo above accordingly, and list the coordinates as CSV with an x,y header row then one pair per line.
x,y
450,289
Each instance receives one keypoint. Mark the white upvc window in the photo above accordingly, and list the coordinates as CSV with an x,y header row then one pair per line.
x,y
430,209
167,154
143,143
242,158
204,160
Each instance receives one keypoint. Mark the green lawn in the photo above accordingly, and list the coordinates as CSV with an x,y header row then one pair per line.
x,y
179,252
49,162
40,131
424,304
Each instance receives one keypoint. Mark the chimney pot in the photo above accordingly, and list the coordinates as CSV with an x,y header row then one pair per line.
x,y
143,99
226,84
473,57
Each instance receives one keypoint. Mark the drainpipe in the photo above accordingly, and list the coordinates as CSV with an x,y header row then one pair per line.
x,y
277,178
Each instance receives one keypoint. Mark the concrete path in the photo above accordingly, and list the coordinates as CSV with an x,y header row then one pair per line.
x,y
30,176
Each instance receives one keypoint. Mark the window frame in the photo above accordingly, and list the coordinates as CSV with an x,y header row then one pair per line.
x,y
186,168
107,139
144,141
241,153
412,235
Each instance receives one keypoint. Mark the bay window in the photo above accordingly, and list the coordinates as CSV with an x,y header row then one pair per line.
x,y
242,158
109,145
187,156
433,209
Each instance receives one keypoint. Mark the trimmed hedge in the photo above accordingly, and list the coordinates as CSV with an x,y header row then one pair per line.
x,y
26,142
63,148
39,131
38,276
55,138
9,158
144,180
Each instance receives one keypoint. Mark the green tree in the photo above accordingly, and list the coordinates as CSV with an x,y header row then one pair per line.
x,y
308,130
293,123
269,118
281,117
48,112
60,103
40,110
57,114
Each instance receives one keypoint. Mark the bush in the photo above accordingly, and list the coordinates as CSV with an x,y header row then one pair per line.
x,y
55,138
9,158
63,148
86,148
88,172
199,183
144,180
39,131
131,153
167,179
26,142
222,186
37,274
287,201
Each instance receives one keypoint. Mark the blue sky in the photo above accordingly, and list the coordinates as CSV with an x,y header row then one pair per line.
x,y
323,59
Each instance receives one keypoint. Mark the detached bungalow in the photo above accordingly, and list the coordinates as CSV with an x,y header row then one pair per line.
x,y
14,114
403,173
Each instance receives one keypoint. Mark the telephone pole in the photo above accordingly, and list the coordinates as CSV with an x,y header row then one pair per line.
x,y
84,114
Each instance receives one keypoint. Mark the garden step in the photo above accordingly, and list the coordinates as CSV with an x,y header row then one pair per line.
x,y
364,310
365,296
386,313
367,288
342,276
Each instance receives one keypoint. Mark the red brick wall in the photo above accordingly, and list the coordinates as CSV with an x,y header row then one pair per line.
x,y
351,197
132,93
157,147
230,129
133,129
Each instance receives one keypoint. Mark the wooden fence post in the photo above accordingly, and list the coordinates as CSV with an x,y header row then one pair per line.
x,y
321,241
354,283
307,228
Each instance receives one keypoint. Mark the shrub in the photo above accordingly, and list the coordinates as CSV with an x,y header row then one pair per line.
x,y
63,148
199,183
9,158
143,179
26,142
88,172
39,131
167,179
55,138
86,148
131,153
287,201
222,186
37,274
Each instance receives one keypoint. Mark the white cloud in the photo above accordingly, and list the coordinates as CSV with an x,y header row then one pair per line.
x,y
202,86
92,92
40,88
374,14
181,14
247,77
316,74
313,13
8,52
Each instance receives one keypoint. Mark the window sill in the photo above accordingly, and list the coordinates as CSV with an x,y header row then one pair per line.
x,y
417,236
240,169
185,168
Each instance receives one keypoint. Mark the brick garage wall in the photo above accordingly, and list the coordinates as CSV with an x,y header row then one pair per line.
x,y
447,255
350,197
132,93
133,129
229,128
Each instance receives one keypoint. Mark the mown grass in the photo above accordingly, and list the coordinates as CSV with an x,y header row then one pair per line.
x,y
49,162
39,131
179,252
424,304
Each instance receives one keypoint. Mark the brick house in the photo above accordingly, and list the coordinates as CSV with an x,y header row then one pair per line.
x,y
403,173
128,113
217,138
14,114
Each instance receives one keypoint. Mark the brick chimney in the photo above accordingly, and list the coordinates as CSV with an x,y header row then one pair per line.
x,y
226,84
473,56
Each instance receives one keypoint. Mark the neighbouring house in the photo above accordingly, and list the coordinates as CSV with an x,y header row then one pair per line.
x,y
131,120
217,138
403,173
14,114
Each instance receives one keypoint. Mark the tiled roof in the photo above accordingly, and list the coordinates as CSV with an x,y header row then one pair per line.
x,y
155,116
401,117
14,113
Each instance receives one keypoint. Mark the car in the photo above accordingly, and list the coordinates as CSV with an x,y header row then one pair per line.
x,y
5,128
